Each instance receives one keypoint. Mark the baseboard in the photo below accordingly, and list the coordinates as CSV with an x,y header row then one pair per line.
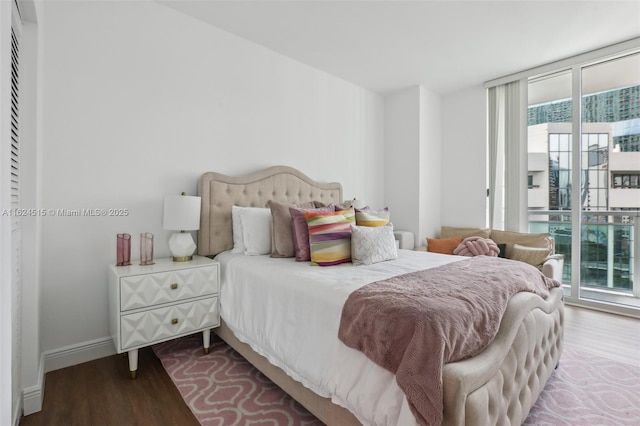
x,y
78,353
33,396
17,413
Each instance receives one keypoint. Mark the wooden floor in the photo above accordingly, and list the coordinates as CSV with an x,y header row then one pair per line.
x,y
610,336
100,392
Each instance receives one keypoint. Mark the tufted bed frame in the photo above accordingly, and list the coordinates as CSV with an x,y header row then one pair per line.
x,y
498,386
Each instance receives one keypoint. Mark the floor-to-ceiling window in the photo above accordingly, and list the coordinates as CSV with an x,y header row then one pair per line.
x,y
610,98
584,175
549,118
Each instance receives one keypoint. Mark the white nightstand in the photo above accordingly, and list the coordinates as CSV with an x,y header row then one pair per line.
x,y
154,303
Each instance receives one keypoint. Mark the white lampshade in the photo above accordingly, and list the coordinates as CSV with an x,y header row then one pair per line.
x,y
181,212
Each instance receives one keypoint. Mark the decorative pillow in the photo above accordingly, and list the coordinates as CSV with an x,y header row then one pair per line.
x,y
300,231
477,246
344,206
281,228
236,221
256,230
510,238
443,245
368,217
454,231
330,236
535,256
503,250
372,244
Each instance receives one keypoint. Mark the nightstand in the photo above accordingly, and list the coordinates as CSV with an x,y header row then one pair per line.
x,y
153,303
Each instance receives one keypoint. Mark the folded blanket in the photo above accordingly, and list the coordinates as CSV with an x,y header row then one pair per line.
x,y
412,324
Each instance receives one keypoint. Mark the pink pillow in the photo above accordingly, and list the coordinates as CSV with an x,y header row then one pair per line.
x,y
477,246
300,231
281,229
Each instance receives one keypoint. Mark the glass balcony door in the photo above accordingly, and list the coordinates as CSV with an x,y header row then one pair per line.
x,y
610,167
584,177
550,159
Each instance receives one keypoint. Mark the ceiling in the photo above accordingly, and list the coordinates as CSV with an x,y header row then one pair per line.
x,y
445,46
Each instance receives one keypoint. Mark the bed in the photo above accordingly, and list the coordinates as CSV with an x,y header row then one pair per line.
x,y
294,342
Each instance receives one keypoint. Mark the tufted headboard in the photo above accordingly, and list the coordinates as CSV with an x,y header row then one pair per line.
x,y
279,183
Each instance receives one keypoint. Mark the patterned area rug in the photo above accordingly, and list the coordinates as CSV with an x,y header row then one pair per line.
x,y
589,390
221,388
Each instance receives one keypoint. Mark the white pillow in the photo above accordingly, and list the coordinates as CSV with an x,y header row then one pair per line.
x,y
256,230
238,239
372,244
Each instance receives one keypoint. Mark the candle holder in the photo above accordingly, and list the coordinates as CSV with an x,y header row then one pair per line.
x,y
146,248
123,250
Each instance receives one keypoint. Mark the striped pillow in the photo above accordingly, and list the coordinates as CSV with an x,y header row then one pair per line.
x,y
368,217
330,236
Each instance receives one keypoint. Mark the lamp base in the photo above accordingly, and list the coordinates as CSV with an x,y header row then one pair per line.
x,y
182,246
182,258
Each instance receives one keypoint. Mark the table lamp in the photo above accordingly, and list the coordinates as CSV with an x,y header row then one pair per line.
x,y
182,213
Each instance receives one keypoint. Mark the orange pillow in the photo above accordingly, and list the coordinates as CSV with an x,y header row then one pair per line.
x,y
443,245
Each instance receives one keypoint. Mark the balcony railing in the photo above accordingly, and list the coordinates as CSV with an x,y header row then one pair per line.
x,y
609,251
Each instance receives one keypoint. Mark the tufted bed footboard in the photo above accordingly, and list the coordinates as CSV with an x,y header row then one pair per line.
x,y
500,385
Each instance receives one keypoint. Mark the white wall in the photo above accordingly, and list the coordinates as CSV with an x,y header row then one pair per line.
x,y
402,158
430,165
412,161
464,158
139,101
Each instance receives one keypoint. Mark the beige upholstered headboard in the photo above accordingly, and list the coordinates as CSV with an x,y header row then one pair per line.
x,y
279,183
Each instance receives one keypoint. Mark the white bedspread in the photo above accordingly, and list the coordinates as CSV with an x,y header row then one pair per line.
x,y
290,312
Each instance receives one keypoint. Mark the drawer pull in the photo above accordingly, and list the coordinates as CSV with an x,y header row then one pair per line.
x,y
174,286
174,321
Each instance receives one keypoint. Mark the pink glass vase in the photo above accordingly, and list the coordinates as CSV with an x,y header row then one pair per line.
x,y
146,248
123,250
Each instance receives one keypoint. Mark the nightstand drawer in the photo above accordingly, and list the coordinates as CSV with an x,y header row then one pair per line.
x,y
139,291
156,325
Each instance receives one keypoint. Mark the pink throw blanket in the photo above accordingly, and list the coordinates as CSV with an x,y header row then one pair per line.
x,y
412,324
